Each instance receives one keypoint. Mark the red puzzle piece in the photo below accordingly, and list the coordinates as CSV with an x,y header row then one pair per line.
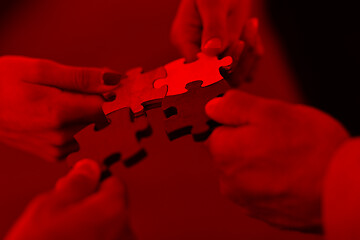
x,y
179,73
186,112
119,140
137,88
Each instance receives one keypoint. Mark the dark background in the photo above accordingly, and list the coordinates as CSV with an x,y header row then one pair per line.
x,y
322,43
173,192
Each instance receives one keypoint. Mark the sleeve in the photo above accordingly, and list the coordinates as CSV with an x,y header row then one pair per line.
x,y
341,196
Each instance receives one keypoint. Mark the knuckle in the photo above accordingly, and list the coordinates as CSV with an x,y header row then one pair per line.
x,y
41,68
81,79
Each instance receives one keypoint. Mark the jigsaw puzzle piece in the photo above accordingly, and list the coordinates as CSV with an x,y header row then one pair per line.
x,y
136,88
180,73
185,113
118,141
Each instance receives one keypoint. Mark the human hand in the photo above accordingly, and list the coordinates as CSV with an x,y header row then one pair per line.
x,y
43,104
246,54
79,207
272,157
208,25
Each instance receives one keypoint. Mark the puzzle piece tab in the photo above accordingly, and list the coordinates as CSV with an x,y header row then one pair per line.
x,y
185,113
136,89
180,73
118,141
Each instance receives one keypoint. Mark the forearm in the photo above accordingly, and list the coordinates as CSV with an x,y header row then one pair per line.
x,y
341,197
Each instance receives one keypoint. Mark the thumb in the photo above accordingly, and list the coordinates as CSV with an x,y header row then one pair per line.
x,y
80,182
214,38
234,109
79,79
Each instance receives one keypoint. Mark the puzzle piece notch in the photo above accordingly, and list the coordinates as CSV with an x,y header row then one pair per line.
x,y
138,88
185,113
179,73
118,141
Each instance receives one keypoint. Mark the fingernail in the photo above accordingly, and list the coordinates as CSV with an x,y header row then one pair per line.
x,y
214,43
109,97
111,79
87,167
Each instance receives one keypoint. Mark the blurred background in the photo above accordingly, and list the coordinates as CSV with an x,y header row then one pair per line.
x,y
173,192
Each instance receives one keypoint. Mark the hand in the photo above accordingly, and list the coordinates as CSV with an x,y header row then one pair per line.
x,y
78,208
208,25
272,157
246,54
43,104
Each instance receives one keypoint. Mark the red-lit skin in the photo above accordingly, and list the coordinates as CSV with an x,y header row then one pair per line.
x,y
272,179
272,157
46,103
211,26
341,193
77,208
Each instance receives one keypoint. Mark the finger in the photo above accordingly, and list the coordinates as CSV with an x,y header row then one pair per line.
x,y
250,32
237,19
256,57
186,30
215,37
81,181
58,153
109,201
229,143
112,188
38,146
71,109
234,151
235,51
259,46
234,109
189,50
60,109
252,53
62,152
59,137
79,79
31,147
107,208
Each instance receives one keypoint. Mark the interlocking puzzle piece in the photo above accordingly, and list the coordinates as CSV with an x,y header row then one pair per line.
x,y
185,113
119,140
136,89
180,73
